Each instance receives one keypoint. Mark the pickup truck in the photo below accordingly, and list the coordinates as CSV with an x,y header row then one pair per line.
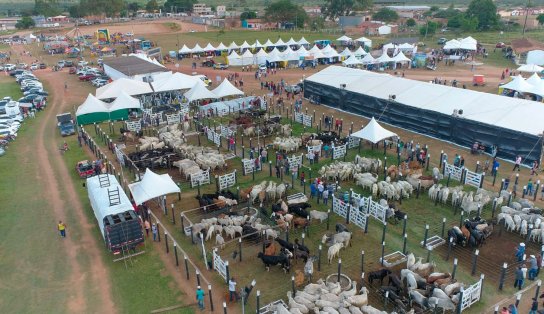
x,y
66,124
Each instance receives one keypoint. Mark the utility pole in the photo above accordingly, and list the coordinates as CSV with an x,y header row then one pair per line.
x,y
526,16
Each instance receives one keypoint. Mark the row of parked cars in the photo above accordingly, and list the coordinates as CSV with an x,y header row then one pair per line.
x,y
11,111
85,72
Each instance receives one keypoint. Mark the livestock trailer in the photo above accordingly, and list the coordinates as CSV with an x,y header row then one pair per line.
x,y
119,224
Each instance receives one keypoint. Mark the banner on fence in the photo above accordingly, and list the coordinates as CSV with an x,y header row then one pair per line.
x,y
295,161
472,178
134,126
226,132
455,172
339,151
249,165
219,265
471,295
173,118
227,180
353,142
214,137
200,178
298,117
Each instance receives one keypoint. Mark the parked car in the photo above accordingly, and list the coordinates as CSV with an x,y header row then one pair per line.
x,y
295,89
500,45
61,63
85,169
68,63
43,66
82,63
72,70
221,66
87,77
9,67
442,41
262,67
204,79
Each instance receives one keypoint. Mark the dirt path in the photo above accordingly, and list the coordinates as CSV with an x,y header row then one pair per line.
x,y
55,182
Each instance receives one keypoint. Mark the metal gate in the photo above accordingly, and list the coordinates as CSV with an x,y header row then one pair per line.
x,y
339,151
220,265
227,180
473,178
200,178
471,295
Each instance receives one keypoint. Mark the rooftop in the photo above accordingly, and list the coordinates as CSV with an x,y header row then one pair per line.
x,y
525,44
132,65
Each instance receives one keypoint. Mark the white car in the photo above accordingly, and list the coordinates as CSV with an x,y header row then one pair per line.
x,y
34,66
9,67
129,34
82,63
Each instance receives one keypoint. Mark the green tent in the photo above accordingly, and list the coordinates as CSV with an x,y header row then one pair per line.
x,y
94,110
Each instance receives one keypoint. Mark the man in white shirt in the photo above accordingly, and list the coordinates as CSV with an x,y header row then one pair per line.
x,y
518,163
232,290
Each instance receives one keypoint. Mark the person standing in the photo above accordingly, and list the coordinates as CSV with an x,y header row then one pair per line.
x,y
530,187
519,278
62,229
154,231
518,163
200,297
147,227
302,178
232,290
313,190
533,264
495,167
520,252
320,189
534,307
325,196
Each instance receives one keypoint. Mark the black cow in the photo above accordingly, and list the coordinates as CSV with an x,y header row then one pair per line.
x,y
341,228
394,280
299,211
301,247
378,275
271,260
285,244
457,236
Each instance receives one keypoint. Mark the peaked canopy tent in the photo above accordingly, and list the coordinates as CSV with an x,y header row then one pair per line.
x,y
360,52
268,43
374,132
197,49
352,61
245,45
152,186
534,80
92,110
468,43
303,42
364,41
233,46
452,45
226,89
199,91
185,50
280,43
531,68
519,84
209,47
401,58
175,81
119,108
512,124
344,39
368,59
131,87
257,44
221,47
346,52
384,58
292,42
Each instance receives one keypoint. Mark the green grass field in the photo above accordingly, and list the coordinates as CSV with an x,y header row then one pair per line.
x,y
8,87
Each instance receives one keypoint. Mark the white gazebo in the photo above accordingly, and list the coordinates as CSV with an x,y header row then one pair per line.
x,y
368,59
364,41
401,58
152,186
221,47
245,45
344,38
185,50
280,43
131,87
233,46
124,101
268,43
197,49
226,89
384,58
374,132
534,80
209,47
199,91
519,84
352,61
303,42
175,81
530,68
360,52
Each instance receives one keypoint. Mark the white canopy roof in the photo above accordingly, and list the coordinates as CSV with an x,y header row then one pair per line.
x,y
346,52
247,54
373,132
318,55
331,53
221,47
258,44
516,114
303,41
352,61
314,49
199,91
175,81
209,47
185,50
291,42
389,46
131,87
531,68
302,52
364,40
268,43
360,52
468,43
368,59
290,55
400,57
226,89
280,43
245,45
92,105
152,186
384,58
124,101
344,38
452,45
274,58
233,45
518,84
534,80
197,49
261,53
406,46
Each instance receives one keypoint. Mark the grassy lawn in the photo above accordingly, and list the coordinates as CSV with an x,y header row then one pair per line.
x,y
8,87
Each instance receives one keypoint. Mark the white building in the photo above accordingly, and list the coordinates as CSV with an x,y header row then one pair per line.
x,y
221,10
201,9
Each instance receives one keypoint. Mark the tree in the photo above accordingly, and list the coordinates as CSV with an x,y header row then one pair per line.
x,y
385,15
179,5
316,23
469,24
283,11
485,11
152,6
75,11
25,22
133,7
428,29
449,13
248,15
46,7
332,9
540,19
410,22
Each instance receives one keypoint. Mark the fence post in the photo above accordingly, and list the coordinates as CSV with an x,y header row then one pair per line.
x,y
503,274
460,304
443,227
454,270
224,307
258,301
426,235
383,252
362,261
429,249
211,297
518,299
405,240
176,253
186,266
319,258
197,277
461,219
166,242
474,262
339,270
173,214
384,229
536,190
450,245
329,214
538,284
227,270
293,289
240,247
441,158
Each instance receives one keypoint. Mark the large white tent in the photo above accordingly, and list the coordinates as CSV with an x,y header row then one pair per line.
x,y
452,44
360,52
384,58
174,81
401,58
197,49
209,47
368,59
131,87
344,38
302,52
530,68
260,56
534,80
221,47
185,50
346,52
124,101
92,105
257,44
199,91
152,186
226,89
279,43
468,43
365,41
290,55
303,41
291,42
233,46
268,43
373,132
352,61
518,84
245,45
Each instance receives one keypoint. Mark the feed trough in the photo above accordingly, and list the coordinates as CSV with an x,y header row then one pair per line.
x,y
434,242
345,281
393,259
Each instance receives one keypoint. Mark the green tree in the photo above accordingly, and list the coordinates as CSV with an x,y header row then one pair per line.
x,y
485,11
449,13
386,15
332,9
455,22
46,7
179,5
248,15
428,29
133,7
25,22
283,11
469,24
152,6
75,11
410,22
540,19
316,23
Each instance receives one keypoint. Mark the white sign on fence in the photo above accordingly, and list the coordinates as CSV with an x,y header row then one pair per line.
x,y
200,178
353,142
157,118
355,197
214,137
295,161
226,132
456,172
227,180
377,211
471,295
134,126
147,112
473,178
339,151
173,118
219,265
249,165
313,149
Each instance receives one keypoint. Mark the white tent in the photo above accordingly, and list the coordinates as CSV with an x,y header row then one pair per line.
x,y
291,42
245,45
290,55
534,80
131,87
92,105
518,84
368,59
247,58
152,186
199,91
257,44
185,50
175,81
233,45
280,43
401,58
360,52
274,52
344,38
365,41
330,53
468,43
226,89
352,61
197,49
209,47
260,56
221,47
406,46
531,68
268,43
303,41
373,132
384,58
314,49
124,101
389,46
318,55
346,52
274,58
302,52
452,45
235,59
